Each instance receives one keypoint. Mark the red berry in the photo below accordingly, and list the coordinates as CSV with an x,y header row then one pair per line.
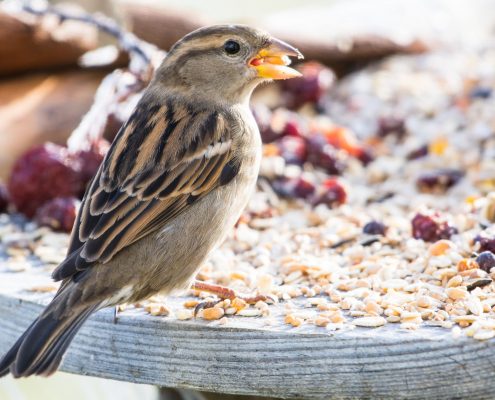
x,y
292,149
485,244
332,193
293,128
42,174
4,198
486,261
431,228
438,181
294,187
91,159
59,214
375,228
310,87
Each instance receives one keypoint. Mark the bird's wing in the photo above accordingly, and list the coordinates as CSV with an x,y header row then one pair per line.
x,y
163,159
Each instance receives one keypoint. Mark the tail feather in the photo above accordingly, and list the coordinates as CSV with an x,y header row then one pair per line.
x,y
51,358
9,358
40,349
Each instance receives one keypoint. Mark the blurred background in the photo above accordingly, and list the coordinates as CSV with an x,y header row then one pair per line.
x,y
40,71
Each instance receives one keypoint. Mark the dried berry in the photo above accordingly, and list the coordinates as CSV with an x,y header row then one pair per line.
x,y
263,118
294,187
375,228
480,93
391,126
89,160
342,138
275,125
332,193
4,198
310,87
324,156
41,174
364,155
431,228
292,149
420,152
486,260
59,214
293,128
438,181
485,244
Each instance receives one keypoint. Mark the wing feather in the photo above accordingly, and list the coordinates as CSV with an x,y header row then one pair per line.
x,y
162,160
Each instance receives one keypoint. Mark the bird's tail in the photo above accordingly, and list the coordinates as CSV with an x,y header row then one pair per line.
x,y
40,349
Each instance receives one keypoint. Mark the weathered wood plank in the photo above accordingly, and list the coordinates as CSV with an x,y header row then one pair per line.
x,y
363,363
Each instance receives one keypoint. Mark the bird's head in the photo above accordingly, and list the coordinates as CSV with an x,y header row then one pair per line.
x,y
227,61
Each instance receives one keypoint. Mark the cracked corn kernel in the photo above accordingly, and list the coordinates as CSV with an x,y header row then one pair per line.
x,y
213,313
456,293
238,304
292,320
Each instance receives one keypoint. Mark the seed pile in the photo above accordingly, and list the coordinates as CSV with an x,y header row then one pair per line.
x,y
375,204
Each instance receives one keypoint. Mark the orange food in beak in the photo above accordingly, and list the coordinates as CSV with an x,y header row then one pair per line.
x,y
272,62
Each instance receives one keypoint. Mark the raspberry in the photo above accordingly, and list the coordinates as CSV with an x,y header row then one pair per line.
x,y
59,214
430,228
41,174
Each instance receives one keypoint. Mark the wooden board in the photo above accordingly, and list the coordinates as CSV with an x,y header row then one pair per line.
x,y
247,357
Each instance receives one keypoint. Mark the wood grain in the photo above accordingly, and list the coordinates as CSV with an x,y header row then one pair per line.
x,y
30,43
244,357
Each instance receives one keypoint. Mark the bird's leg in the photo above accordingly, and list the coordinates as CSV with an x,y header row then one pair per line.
x,y
226,293
115,311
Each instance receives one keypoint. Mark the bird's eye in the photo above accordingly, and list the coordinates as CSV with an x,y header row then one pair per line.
x,y
231,47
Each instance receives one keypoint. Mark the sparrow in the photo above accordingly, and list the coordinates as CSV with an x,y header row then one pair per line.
x,y
174,181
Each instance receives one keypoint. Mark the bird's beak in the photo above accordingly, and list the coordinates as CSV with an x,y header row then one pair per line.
x,y
272,61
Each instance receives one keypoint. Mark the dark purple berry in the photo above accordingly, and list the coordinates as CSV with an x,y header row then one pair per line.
x,y
58,214
324,156
420,152
310,87
294,187
41,174
391,126
332,193
4,198
438,181
375,228
486,261
292,149
430,228
485,244
480,93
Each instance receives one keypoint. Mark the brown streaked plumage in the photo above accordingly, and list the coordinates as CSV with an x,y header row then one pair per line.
x,y
175,179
